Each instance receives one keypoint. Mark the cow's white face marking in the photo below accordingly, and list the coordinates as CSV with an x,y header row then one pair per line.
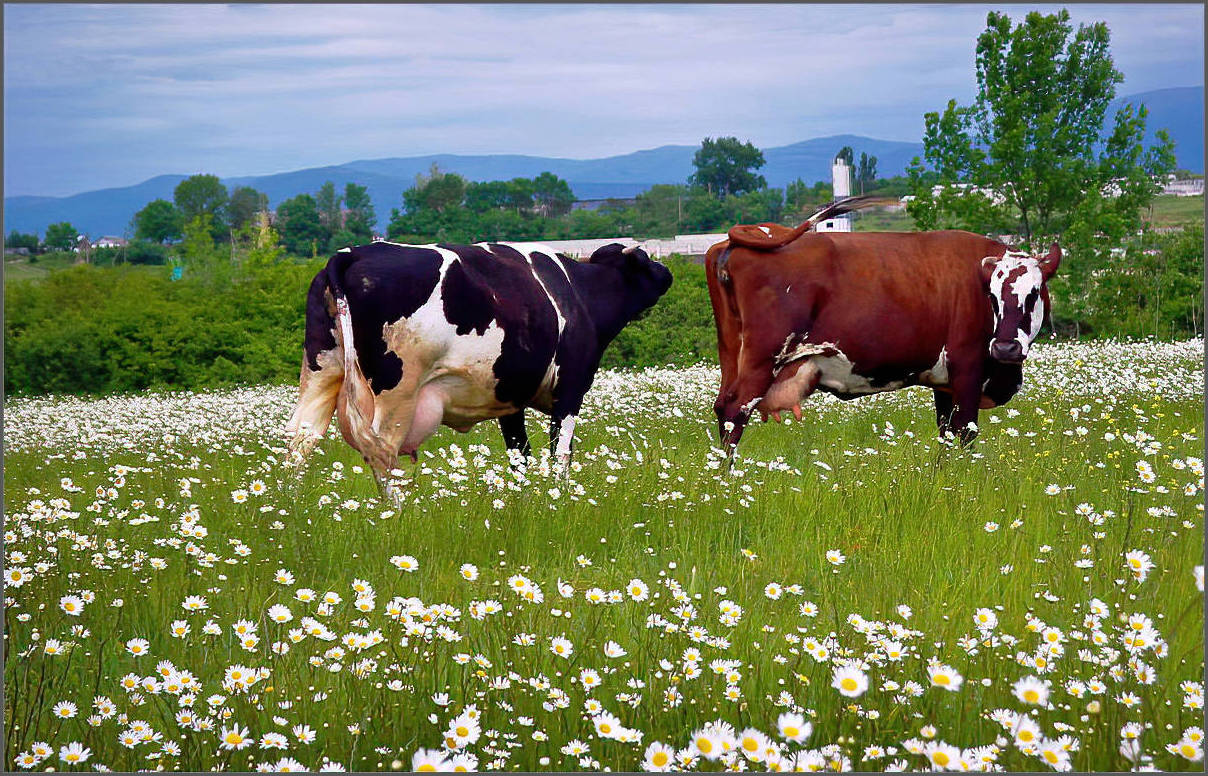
x,y
1015,298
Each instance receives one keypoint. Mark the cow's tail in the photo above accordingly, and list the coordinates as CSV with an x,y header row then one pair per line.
x,y
355,405
769,237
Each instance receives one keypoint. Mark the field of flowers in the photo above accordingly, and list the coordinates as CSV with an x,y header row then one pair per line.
x,y
855,594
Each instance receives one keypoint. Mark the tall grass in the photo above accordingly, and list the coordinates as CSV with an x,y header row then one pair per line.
x,y
648,499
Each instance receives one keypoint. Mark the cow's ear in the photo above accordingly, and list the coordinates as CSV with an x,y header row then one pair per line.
x,y
987,269
1050,263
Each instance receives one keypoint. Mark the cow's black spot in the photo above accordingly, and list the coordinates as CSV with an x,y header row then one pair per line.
x,y
468,305
385,283
319,324
578,352
522,310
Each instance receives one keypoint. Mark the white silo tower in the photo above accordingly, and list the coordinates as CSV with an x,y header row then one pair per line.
x,y
841,183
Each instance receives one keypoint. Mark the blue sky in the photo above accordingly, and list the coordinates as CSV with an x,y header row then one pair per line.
x,y
110,95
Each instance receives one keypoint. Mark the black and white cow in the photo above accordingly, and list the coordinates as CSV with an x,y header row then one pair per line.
x,y
403,338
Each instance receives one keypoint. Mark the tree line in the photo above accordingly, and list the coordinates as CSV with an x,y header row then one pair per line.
x,y
445,206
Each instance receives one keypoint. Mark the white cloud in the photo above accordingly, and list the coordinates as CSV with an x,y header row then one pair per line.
x,y
134,91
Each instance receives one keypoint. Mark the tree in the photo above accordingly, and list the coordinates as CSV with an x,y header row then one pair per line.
x,y
488,195
200,195
846,154
264,243
60,236
725,166
361,218
866,172
158,222
437,191
198,242
659,210
518,194
1029,154
16,239
553,195
301,230
328,203
243,206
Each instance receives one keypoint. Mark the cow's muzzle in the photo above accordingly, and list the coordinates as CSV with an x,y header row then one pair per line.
x,y
1007,351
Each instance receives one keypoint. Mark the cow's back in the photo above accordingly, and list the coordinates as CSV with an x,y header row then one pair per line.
x,y
883,297
478,311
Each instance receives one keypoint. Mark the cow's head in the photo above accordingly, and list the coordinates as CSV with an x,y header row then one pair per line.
x,y
644,279
1019,299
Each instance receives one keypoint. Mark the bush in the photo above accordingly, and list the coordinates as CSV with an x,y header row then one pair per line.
x,y
679,329
98,330
1156,288
143,252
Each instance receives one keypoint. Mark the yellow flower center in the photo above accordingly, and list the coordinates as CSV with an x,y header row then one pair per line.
x,y
941,758
462,731
1031,696
942,679
704,745
750,744
849,684
659,759
426,767
791,731
1050,756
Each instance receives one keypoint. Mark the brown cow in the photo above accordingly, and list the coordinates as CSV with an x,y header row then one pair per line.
x,y
861,313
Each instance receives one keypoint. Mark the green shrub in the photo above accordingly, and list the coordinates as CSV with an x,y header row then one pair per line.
x,y
99,330
677,330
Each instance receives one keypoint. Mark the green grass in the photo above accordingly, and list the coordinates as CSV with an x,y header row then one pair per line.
x,y
647,500
22,268
1170,210
881,220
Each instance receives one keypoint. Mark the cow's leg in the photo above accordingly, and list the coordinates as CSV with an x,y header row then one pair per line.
x,y
966,398
317,394
515,435
562,428
735,405
943,411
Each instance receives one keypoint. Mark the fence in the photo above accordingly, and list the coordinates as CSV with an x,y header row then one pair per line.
x,y
684,244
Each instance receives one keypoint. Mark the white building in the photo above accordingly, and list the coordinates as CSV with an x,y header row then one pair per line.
x,y
841,182
1193,187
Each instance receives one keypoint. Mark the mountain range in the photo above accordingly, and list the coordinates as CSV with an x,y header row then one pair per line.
x,y
109,211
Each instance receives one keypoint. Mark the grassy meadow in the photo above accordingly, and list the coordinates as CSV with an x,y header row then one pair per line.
x,y
854,594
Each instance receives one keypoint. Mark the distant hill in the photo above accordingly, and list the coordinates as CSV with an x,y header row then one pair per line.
x,y
108,211
1180,111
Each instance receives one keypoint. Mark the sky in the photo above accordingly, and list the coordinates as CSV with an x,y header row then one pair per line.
x,y
98,96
